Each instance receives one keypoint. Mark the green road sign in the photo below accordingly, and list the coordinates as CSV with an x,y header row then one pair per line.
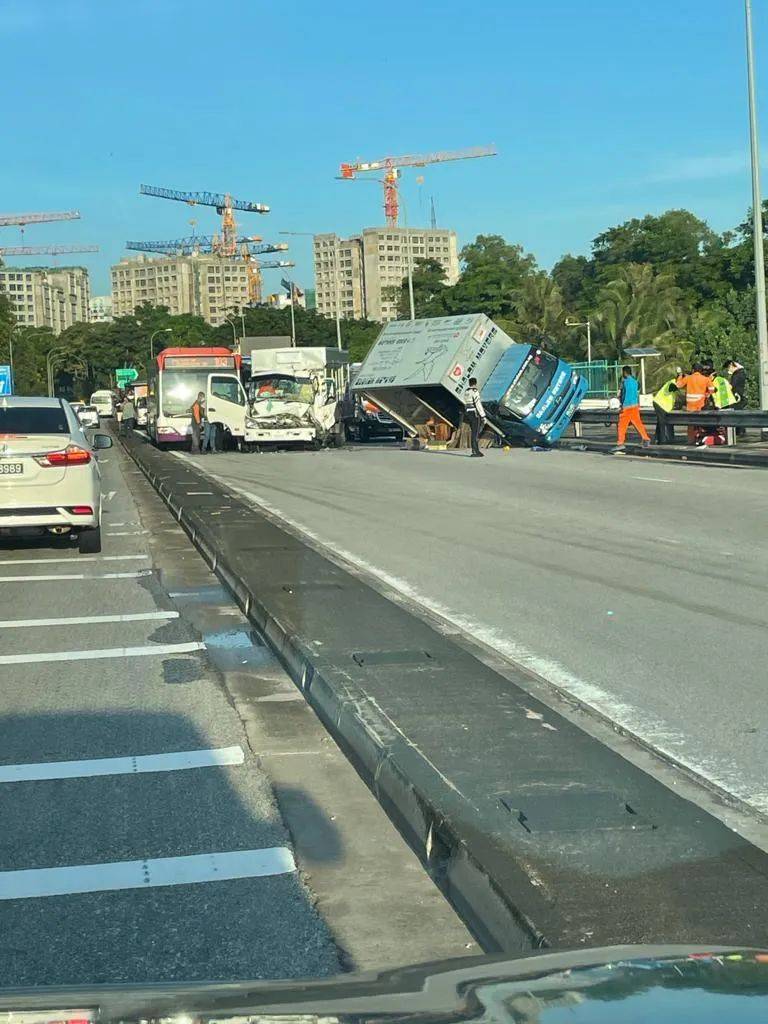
x,y
126,375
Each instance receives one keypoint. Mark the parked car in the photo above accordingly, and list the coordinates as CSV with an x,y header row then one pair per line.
x,y
88,415
49,475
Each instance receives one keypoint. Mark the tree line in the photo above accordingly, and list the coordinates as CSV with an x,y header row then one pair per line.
x,y
667,281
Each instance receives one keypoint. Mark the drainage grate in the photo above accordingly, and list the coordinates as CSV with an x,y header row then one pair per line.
x,y
583,811
394,658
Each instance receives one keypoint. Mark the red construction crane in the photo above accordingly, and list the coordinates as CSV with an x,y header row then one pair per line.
x,y
390,165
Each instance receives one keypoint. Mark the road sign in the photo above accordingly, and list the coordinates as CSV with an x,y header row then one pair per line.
x,y
6,381
126,375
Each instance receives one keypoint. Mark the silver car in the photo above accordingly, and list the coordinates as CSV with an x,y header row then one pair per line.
x,y
49,475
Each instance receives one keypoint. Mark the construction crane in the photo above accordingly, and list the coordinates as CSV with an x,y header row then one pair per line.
x,y
20,219
224,204
253,268
391,164
39,250
203,244
200,243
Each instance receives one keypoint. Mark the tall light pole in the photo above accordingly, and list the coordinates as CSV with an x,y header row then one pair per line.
x,y
757,216
588,325
153,335
311,234
409,261
234,332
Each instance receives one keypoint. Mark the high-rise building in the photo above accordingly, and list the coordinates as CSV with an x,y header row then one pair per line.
x,y
100,309
343,257
205,285
370,265
54,297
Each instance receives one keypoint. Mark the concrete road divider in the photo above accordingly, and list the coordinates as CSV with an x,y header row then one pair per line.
x,y
538,834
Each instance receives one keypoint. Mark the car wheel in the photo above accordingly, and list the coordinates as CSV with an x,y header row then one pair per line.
x,y
365,434
89,541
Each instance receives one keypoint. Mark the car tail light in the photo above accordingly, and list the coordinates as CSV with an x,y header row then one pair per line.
x,y
72,455
81,510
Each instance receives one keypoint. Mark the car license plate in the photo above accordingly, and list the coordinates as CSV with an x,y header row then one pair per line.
x,y
11,468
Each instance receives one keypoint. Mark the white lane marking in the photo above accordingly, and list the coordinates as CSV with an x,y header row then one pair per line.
x,y
191,493
109,495
78,576
86,620
132,765
654,479
106,652
126,533
278,698
73,560
145,874
720,772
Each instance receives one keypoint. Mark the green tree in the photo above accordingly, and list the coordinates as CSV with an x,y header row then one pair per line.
x,y
638,308
539,311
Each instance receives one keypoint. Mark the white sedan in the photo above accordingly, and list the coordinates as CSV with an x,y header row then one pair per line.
x,y
88,416
49,475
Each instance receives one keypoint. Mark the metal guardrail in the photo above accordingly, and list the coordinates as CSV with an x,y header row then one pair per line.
x,y
728,418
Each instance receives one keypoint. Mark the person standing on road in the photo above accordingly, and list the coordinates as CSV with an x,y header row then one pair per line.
x,y
663,404
698,386
475,414
629,400
738,377
129,412
198,421
209,438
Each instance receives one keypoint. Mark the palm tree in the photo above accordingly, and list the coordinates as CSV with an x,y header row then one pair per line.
x,y
638,307
538,309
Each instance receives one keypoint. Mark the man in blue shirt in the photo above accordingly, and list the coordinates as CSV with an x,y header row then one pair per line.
x,y
629,399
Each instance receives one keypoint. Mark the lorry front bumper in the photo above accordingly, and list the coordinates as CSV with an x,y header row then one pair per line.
x,y
292,435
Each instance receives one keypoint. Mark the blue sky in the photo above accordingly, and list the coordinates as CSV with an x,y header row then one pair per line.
x,y
601,110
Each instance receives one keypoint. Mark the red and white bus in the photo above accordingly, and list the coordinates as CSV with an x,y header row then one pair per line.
x,y
175,379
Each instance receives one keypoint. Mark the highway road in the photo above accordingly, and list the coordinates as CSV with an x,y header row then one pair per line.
x,y
170,808
637,587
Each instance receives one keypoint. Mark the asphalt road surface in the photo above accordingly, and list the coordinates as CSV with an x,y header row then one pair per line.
x,y
638,587
140,837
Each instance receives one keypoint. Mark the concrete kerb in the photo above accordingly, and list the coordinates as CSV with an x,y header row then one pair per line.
x,y
406,785
720,457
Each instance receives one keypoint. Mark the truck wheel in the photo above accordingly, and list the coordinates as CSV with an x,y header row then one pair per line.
x,y
89,541
365,433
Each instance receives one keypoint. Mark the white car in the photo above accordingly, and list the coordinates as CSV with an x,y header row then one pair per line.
x,y
141,412
50,479
88,416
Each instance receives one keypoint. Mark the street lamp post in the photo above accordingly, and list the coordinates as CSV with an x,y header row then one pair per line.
x,y
234,332
409,261
588,325
757,216
160,330
311,234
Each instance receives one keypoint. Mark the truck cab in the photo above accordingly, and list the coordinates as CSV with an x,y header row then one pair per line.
x,y
532,392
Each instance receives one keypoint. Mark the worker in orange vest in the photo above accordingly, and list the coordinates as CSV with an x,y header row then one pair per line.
x,y
698,387
198,421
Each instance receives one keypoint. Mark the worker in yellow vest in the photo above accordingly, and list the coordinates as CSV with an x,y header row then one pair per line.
x,y
723,396
663,404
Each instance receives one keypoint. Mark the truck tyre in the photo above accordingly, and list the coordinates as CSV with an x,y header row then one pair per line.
x,y
365,433
89,541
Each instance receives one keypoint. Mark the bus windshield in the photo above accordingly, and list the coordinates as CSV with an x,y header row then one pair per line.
x,y
179,389
523,395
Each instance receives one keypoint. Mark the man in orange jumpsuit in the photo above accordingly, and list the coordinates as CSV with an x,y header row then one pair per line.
x,y
698,387
629,397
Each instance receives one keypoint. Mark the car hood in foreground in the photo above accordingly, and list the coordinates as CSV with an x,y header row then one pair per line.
x,y
631,983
